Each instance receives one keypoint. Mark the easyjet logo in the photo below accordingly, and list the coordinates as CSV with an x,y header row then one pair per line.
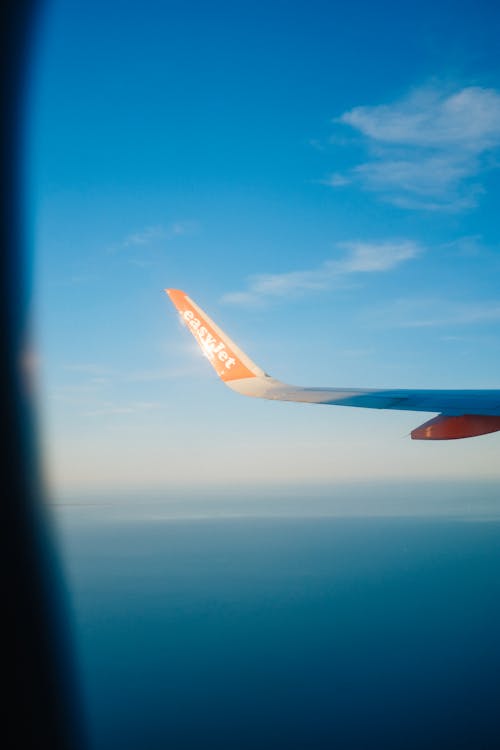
x,y
211,346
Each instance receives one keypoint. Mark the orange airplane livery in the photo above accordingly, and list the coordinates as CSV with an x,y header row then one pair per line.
x,y
461,413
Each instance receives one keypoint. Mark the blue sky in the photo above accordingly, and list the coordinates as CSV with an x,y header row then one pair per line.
x,y
322,177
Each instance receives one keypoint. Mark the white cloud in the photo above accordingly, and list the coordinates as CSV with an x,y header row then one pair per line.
x,y
337,180
183,227
153,234
359,258
431,313
146,236
431,117
428,149
428,176
109,408
88,368
366,257
100,374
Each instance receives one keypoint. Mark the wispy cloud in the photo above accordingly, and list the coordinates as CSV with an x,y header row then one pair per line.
x,y
431,313
102,375
109,408
146,236
88,368
153,235
359,258
427,151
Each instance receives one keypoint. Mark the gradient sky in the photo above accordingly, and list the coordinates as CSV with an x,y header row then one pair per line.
x,y
322,177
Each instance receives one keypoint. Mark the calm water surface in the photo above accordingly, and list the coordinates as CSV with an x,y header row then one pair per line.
x,y
286,633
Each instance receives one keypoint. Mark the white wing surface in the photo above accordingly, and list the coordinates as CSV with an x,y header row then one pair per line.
x,y
466,413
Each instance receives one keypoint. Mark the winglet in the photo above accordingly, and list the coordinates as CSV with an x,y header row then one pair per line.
x,y
228,361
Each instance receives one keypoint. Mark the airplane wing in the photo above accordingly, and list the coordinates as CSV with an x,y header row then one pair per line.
x,y
461,413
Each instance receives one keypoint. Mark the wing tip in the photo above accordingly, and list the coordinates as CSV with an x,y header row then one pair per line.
x,y
227,359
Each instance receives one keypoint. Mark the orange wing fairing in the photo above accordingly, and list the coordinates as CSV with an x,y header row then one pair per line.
x,y
453,428
222,358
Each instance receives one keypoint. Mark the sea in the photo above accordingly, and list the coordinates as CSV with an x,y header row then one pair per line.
x,y
294,625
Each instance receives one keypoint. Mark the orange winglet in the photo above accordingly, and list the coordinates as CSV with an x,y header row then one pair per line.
x,y
224,356
445,427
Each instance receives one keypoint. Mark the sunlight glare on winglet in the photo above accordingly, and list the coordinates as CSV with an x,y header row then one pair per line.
x,y
228,361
